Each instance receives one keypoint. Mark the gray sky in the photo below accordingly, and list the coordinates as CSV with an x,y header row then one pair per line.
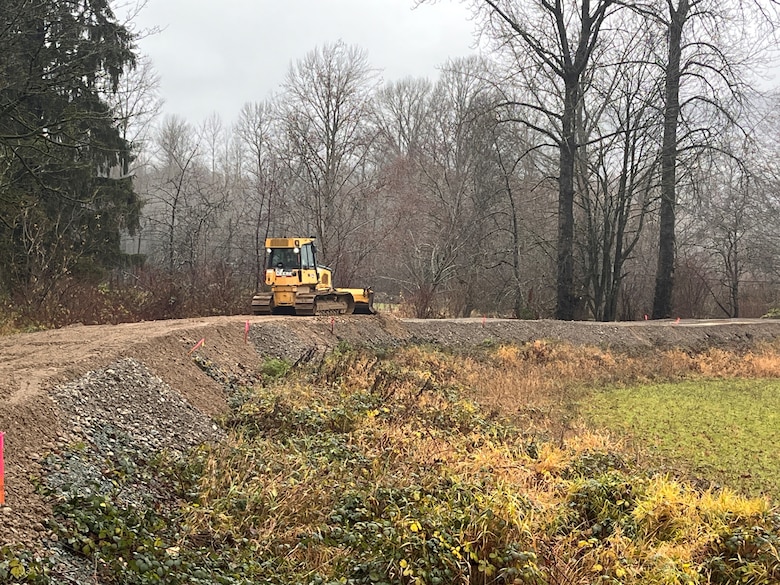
x,y
214,56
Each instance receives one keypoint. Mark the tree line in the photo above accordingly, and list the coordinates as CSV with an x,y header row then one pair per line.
x,y
599,159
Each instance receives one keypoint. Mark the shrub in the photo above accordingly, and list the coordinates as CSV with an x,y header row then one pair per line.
x,y
773,313
745,554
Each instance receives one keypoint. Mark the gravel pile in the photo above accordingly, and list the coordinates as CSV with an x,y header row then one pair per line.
x,y
128,398
117,421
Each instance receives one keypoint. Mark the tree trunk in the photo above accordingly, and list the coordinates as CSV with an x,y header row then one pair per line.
x,y
664,280
566,299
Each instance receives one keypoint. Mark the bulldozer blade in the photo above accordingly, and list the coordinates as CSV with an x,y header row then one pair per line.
x,y
364,308
364,303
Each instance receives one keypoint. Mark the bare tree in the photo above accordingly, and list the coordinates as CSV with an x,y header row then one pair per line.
x,y
137,105
261,201
523,220
325,110
401,112
710,48
443,243
768,188
551,44
618,160
169,186
725,219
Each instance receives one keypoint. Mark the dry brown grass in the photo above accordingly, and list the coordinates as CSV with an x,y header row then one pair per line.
x,y
540,383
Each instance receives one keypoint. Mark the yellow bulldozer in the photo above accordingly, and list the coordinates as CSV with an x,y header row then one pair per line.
x,y
296,284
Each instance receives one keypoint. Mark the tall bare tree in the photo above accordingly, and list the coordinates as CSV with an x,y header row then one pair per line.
x,y
711,46
438,139
401,112
724,219
262,202
551,44
618,162
522,220
136,105
326,112
170,184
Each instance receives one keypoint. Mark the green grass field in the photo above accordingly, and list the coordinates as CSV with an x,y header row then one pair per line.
x,y
727,431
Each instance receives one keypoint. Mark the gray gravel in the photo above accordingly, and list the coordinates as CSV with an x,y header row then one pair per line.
x,y
117,421
126,396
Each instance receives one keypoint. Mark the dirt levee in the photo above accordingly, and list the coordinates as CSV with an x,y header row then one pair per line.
x,y
39,372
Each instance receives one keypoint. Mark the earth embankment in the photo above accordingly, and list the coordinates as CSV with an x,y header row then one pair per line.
x,y
56,385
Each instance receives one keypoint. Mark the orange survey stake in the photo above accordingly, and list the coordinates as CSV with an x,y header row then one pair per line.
x,y
2,472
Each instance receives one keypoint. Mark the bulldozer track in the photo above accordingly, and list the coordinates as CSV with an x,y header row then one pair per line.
x,y
307,305
330,312
328,303
261,304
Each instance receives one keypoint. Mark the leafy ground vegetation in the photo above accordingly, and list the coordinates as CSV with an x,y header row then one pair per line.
x,y
420,465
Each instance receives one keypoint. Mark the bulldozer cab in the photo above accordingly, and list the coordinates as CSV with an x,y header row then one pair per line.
x,y
284,259
294,256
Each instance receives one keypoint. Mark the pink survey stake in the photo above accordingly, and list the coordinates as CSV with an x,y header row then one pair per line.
x,y
2,471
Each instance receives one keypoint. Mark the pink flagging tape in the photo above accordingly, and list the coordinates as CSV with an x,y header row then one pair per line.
x,y
197,345
246,332
2,470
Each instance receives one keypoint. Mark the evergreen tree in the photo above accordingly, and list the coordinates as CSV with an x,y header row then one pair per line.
x,y
64,193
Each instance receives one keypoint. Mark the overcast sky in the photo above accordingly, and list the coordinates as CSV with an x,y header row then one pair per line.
x,y
216,55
